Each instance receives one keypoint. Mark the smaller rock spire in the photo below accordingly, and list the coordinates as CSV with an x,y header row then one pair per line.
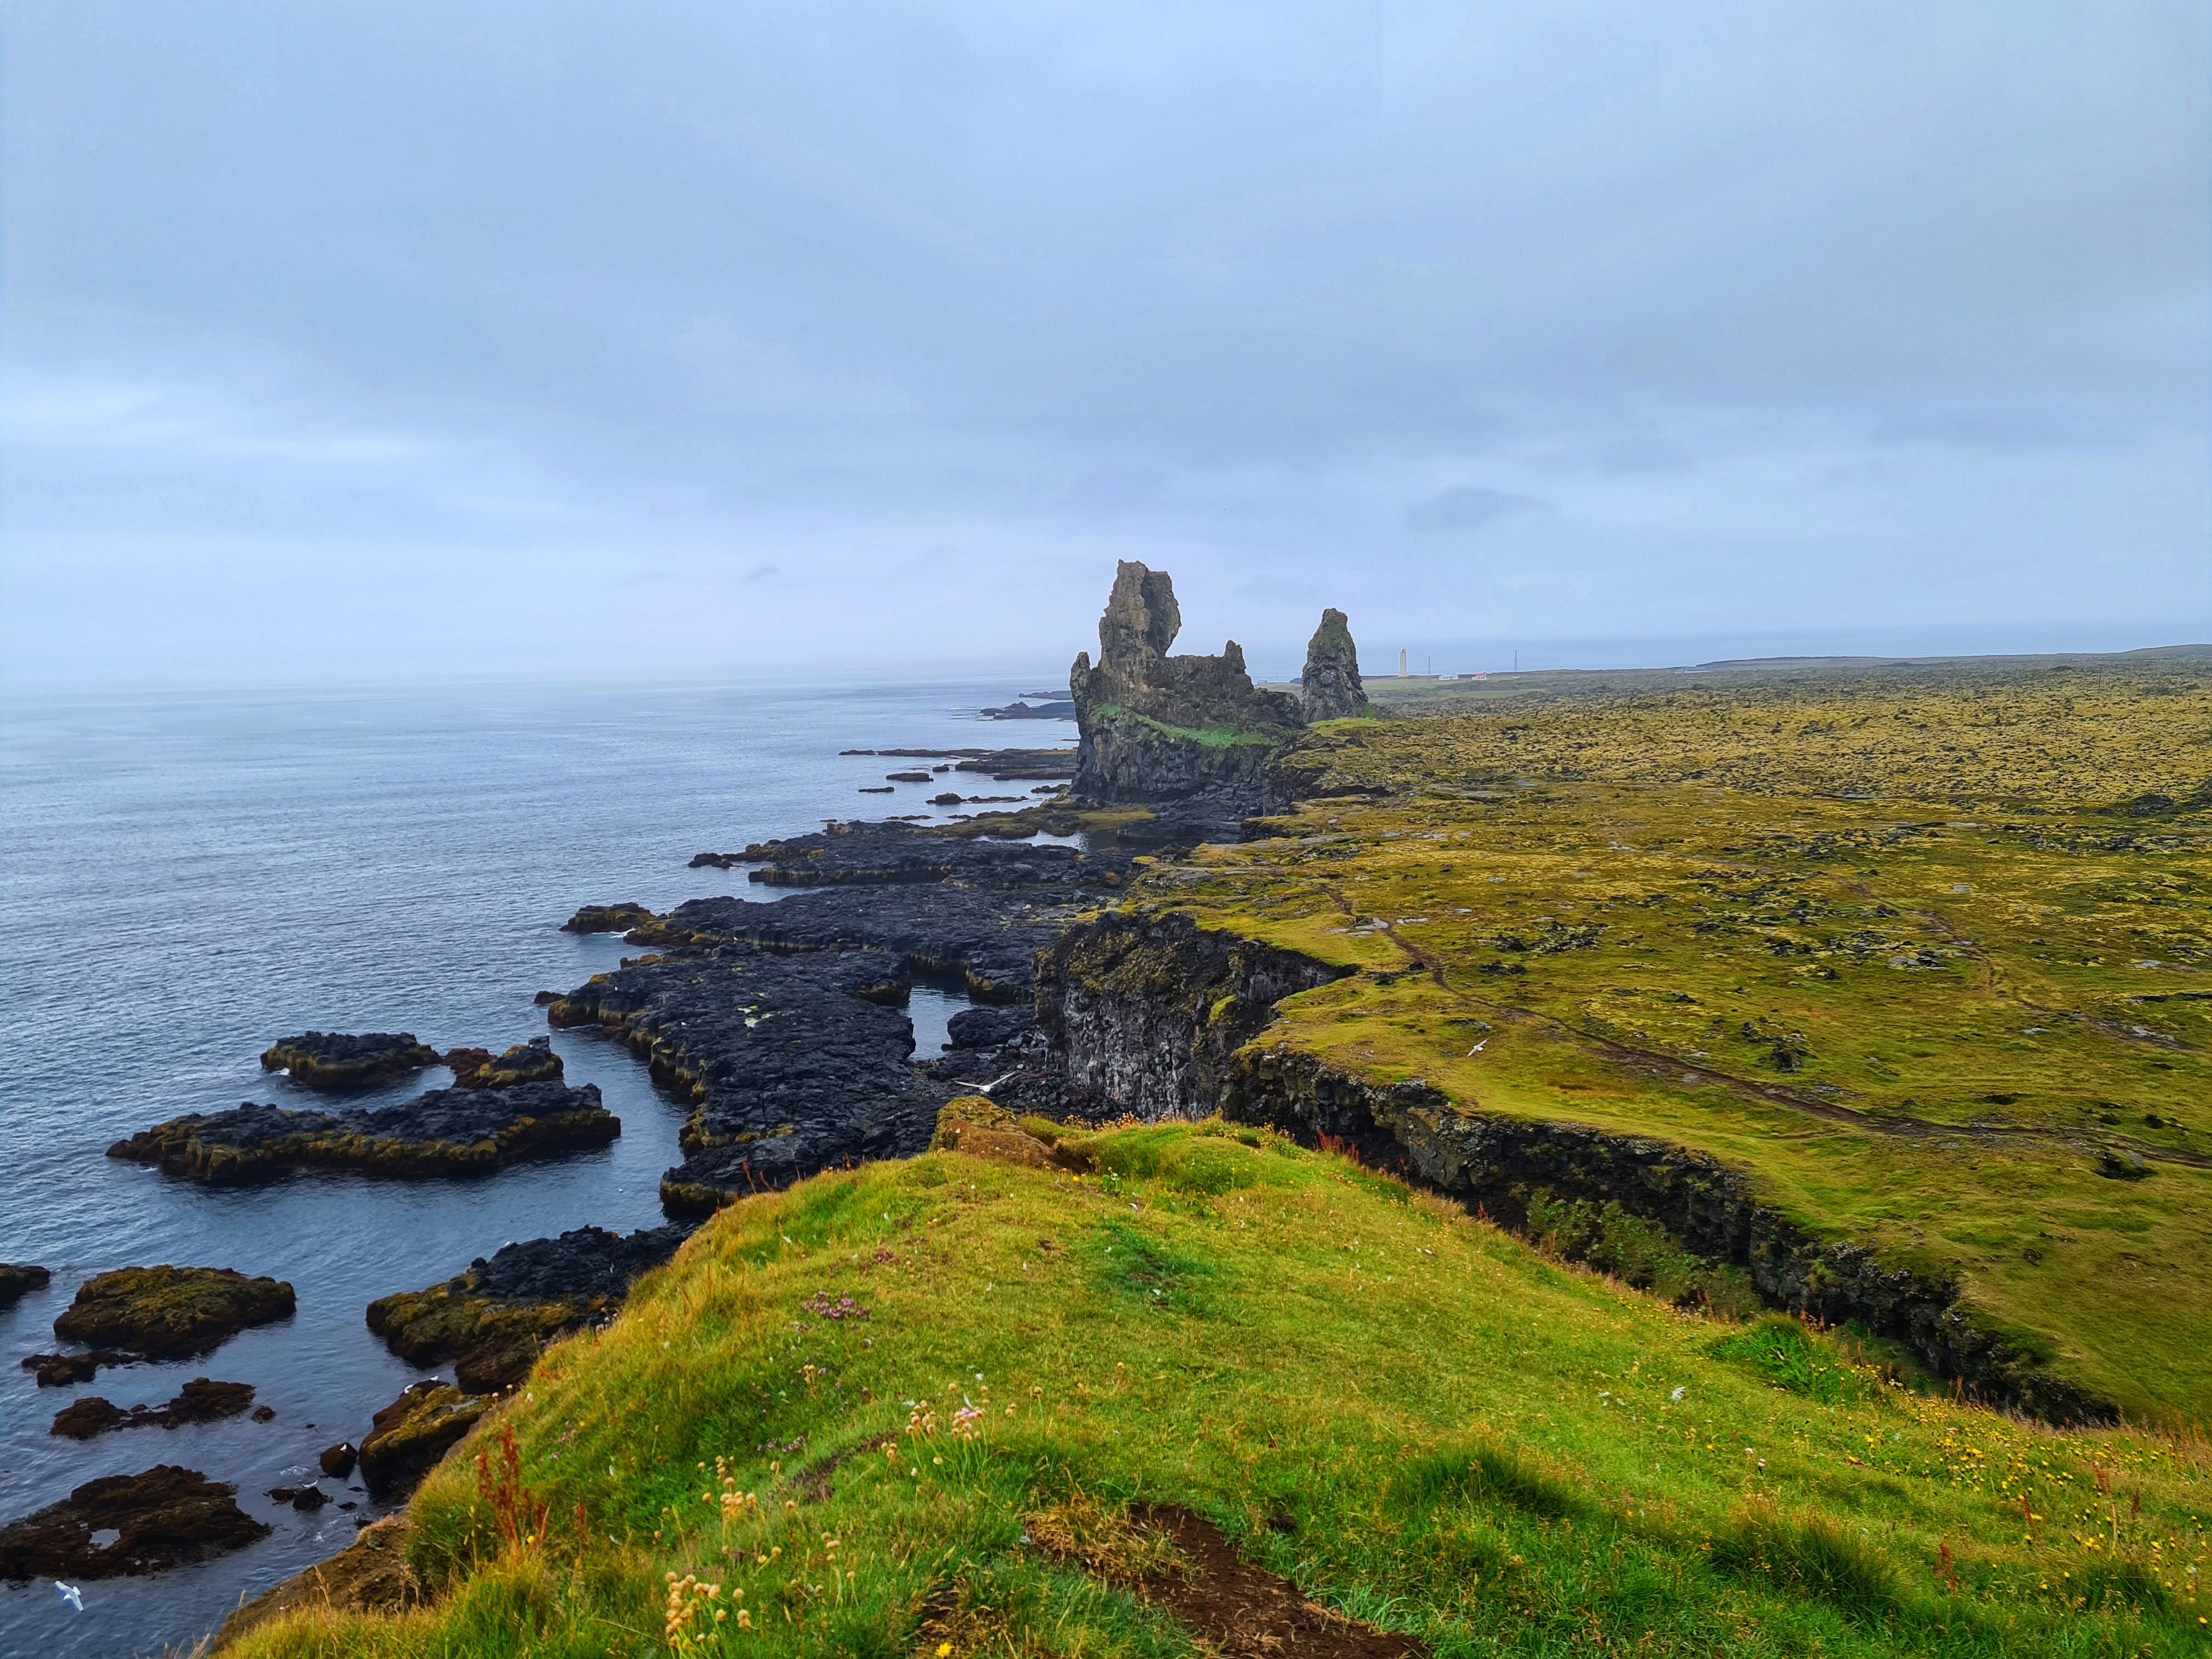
x,y
1330,690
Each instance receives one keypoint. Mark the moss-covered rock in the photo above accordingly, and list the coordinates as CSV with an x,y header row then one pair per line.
x,y
414,1431
533,1061
334,1061
168,1312
492,1321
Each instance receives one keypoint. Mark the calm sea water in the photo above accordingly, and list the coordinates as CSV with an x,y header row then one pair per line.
x,y
184,879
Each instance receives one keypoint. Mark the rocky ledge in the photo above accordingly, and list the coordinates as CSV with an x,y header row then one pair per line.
x,y
492,1321
608,918
444,1132
794,1064
414,1431
168,1312
889,853
19,1279
333,1062
533,1061
164,1516
199,1400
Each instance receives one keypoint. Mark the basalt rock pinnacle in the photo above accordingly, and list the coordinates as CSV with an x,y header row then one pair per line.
x,y
1330,687
1157,727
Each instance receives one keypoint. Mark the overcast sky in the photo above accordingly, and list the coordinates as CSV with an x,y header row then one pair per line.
x,y
352,339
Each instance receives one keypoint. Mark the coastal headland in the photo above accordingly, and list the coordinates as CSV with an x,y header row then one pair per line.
x,y
1670,1153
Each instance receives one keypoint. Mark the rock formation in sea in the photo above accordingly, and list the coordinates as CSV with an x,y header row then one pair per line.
x,y
169,1312
19,1279
159,1518
1157,727
444,1132
334,1061
492,1320
200,1400
533,1061
414,1431
1329,689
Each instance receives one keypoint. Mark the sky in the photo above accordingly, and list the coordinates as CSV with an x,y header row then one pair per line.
x,y
355,341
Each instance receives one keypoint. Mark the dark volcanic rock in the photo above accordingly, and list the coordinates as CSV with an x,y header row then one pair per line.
x,y
164,1516
332,1061
793,1061
989,941
57,1370
906,777
533,1061
444,1132
1157,727
19,1279
172,1311
892,853
1329,689
1025,711
200,1400
609,918
310,1498
414,1431
990,1028
337,1462
492,1320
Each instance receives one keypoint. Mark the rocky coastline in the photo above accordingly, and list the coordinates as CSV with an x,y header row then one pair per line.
x,y
446,1131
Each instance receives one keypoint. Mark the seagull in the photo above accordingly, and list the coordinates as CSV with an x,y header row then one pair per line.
x,y
984,1088
71,1594
1478,1047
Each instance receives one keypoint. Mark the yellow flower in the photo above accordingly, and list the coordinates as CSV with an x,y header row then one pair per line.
x,y
943,1651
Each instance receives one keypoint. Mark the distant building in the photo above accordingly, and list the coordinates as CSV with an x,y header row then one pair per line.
x,y
1402,664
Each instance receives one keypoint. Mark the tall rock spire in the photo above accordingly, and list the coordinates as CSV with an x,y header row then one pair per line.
x,y
1330,690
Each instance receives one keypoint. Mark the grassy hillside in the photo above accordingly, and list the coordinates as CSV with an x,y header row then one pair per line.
x,y
1930,960
906,1410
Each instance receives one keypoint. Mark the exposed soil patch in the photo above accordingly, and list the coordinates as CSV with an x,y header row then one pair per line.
x,y
1242,1610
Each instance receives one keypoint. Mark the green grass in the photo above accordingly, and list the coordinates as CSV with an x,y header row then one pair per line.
x,y
1929,961
1472,1442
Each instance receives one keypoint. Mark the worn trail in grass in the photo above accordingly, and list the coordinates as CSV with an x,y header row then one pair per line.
x,y
899,1410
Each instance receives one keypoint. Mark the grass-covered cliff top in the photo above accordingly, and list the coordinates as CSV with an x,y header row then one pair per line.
x,y
1932,961
907,1410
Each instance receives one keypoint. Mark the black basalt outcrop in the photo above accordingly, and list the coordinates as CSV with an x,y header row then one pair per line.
x,y
492,1320
334,1062
976,911
606,918
161,1517
533,1061
792,1063
1157,727
444,1132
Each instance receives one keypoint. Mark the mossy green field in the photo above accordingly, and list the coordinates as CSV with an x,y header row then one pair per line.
x,y
865,1410
1927,960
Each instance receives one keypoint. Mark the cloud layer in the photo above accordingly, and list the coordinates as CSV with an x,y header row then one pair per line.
x,y
732,337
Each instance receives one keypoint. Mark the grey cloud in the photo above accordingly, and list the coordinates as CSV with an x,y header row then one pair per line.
x,y
1468,508
480,288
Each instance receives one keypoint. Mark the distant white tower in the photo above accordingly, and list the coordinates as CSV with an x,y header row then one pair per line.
x,y
1402,664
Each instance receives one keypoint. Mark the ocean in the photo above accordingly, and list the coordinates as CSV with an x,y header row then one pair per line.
x,y
185,878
